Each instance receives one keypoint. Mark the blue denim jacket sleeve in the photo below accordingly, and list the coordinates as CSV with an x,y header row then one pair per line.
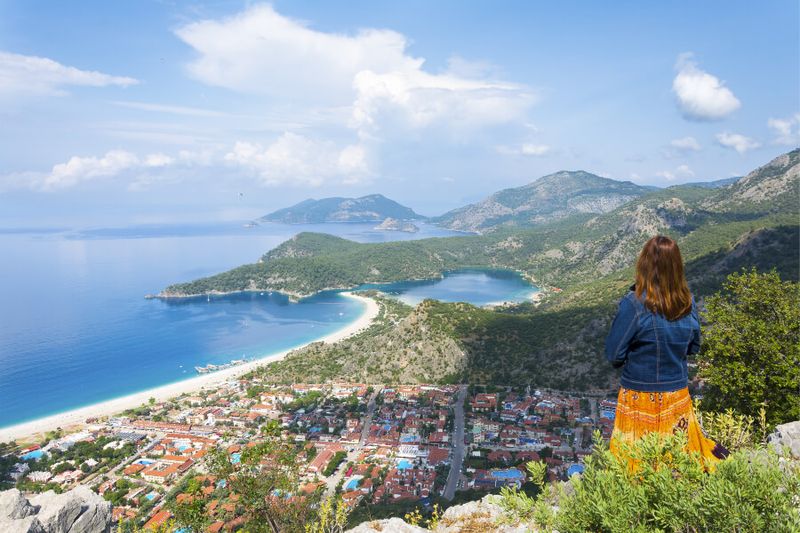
x,y
623,330
694,344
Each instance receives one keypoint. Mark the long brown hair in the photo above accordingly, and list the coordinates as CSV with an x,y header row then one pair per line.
x,y
660,281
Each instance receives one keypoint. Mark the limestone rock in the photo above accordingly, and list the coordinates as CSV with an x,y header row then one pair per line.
x,y
57,512
391,525
787,436
77,511
29,524
479,515
14,505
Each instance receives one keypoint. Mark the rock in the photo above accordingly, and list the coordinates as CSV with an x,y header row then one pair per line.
x,y
787,436
391,525
478,516
57,512
14,505
77,511
96,514
29,524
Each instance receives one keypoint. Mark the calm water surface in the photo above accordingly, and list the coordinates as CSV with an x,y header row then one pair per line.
x,y
75,328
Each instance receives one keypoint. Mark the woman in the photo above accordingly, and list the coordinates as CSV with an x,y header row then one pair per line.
x,y
656,327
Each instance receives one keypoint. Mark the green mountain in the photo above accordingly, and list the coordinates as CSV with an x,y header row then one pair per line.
x,y
561,253
547,199
371,208
753,222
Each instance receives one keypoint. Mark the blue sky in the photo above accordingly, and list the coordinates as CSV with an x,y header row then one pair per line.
x,y
115,113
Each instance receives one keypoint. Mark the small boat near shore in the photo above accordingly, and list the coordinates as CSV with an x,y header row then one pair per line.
x,y
215,368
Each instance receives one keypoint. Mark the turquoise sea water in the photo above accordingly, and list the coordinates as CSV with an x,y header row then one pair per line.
x,y
478,287
75,328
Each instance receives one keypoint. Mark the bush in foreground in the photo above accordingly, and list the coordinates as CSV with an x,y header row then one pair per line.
x,y
668,490
751,347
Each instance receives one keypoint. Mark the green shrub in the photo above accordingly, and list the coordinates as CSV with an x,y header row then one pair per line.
x,y
751,347
733,430
667,491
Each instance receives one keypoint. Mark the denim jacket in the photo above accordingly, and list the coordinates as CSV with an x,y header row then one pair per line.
x,y
651,349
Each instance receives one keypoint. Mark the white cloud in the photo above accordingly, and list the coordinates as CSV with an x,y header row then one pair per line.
x,y
681,172
535,149
260,51
685,144
158,160
26,75
80,169
701,96
787,130
296,159
737,142
417,99
527,149
171,109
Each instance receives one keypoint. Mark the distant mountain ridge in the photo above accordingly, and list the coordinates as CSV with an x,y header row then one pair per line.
x,y
547,199
754,222
370,208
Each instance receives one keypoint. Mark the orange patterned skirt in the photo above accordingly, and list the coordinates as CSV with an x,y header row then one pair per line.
x,y
639,413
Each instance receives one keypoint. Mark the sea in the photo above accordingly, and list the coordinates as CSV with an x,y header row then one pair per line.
x,y
76,329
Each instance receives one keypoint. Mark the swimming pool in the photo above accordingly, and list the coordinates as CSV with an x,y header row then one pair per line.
x,y
403,464
352,484
509,473
574,469
236,458
151,496
144,462
34,455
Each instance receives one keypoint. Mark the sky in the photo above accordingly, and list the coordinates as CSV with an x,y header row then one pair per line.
x,y
159,112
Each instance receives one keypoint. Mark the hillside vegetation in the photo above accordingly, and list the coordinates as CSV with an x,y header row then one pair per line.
x,y
753,222
371,208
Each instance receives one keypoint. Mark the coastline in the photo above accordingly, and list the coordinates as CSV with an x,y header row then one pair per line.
x,y
76,418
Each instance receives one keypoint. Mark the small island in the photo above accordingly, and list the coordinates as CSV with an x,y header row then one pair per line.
x,y
393,224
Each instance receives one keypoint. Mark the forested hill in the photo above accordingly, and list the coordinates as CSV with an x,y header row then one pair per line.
x,y
754,222
549,198
710,224
371,208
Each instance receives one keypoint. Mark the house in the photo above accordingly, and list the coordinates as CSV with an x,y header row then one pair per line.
x,y
484,403
158,519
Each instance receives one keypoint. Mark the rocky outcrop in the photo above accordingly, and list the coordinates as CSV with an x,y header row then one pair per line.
x,y
786,437
478,516
77,511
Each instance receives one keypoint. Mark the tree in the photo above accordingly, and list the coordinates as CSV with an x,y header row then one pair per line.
x,y
266,479
751,347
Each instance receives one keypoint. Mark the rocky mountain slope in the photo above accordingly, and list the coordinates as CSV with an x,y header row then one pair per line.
x,y
371,208
399,347
547,199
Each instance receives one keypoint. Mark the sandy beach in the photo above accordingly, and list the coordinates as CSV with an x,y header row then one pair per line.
x,y
77,417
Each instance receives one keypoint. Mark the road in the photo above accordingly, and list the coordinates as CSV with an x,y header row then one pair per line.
x,y
112,474
458,446
352,455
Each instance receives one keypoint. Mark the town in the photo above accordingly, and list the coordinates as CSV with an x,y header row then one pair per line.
x,y
379,447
